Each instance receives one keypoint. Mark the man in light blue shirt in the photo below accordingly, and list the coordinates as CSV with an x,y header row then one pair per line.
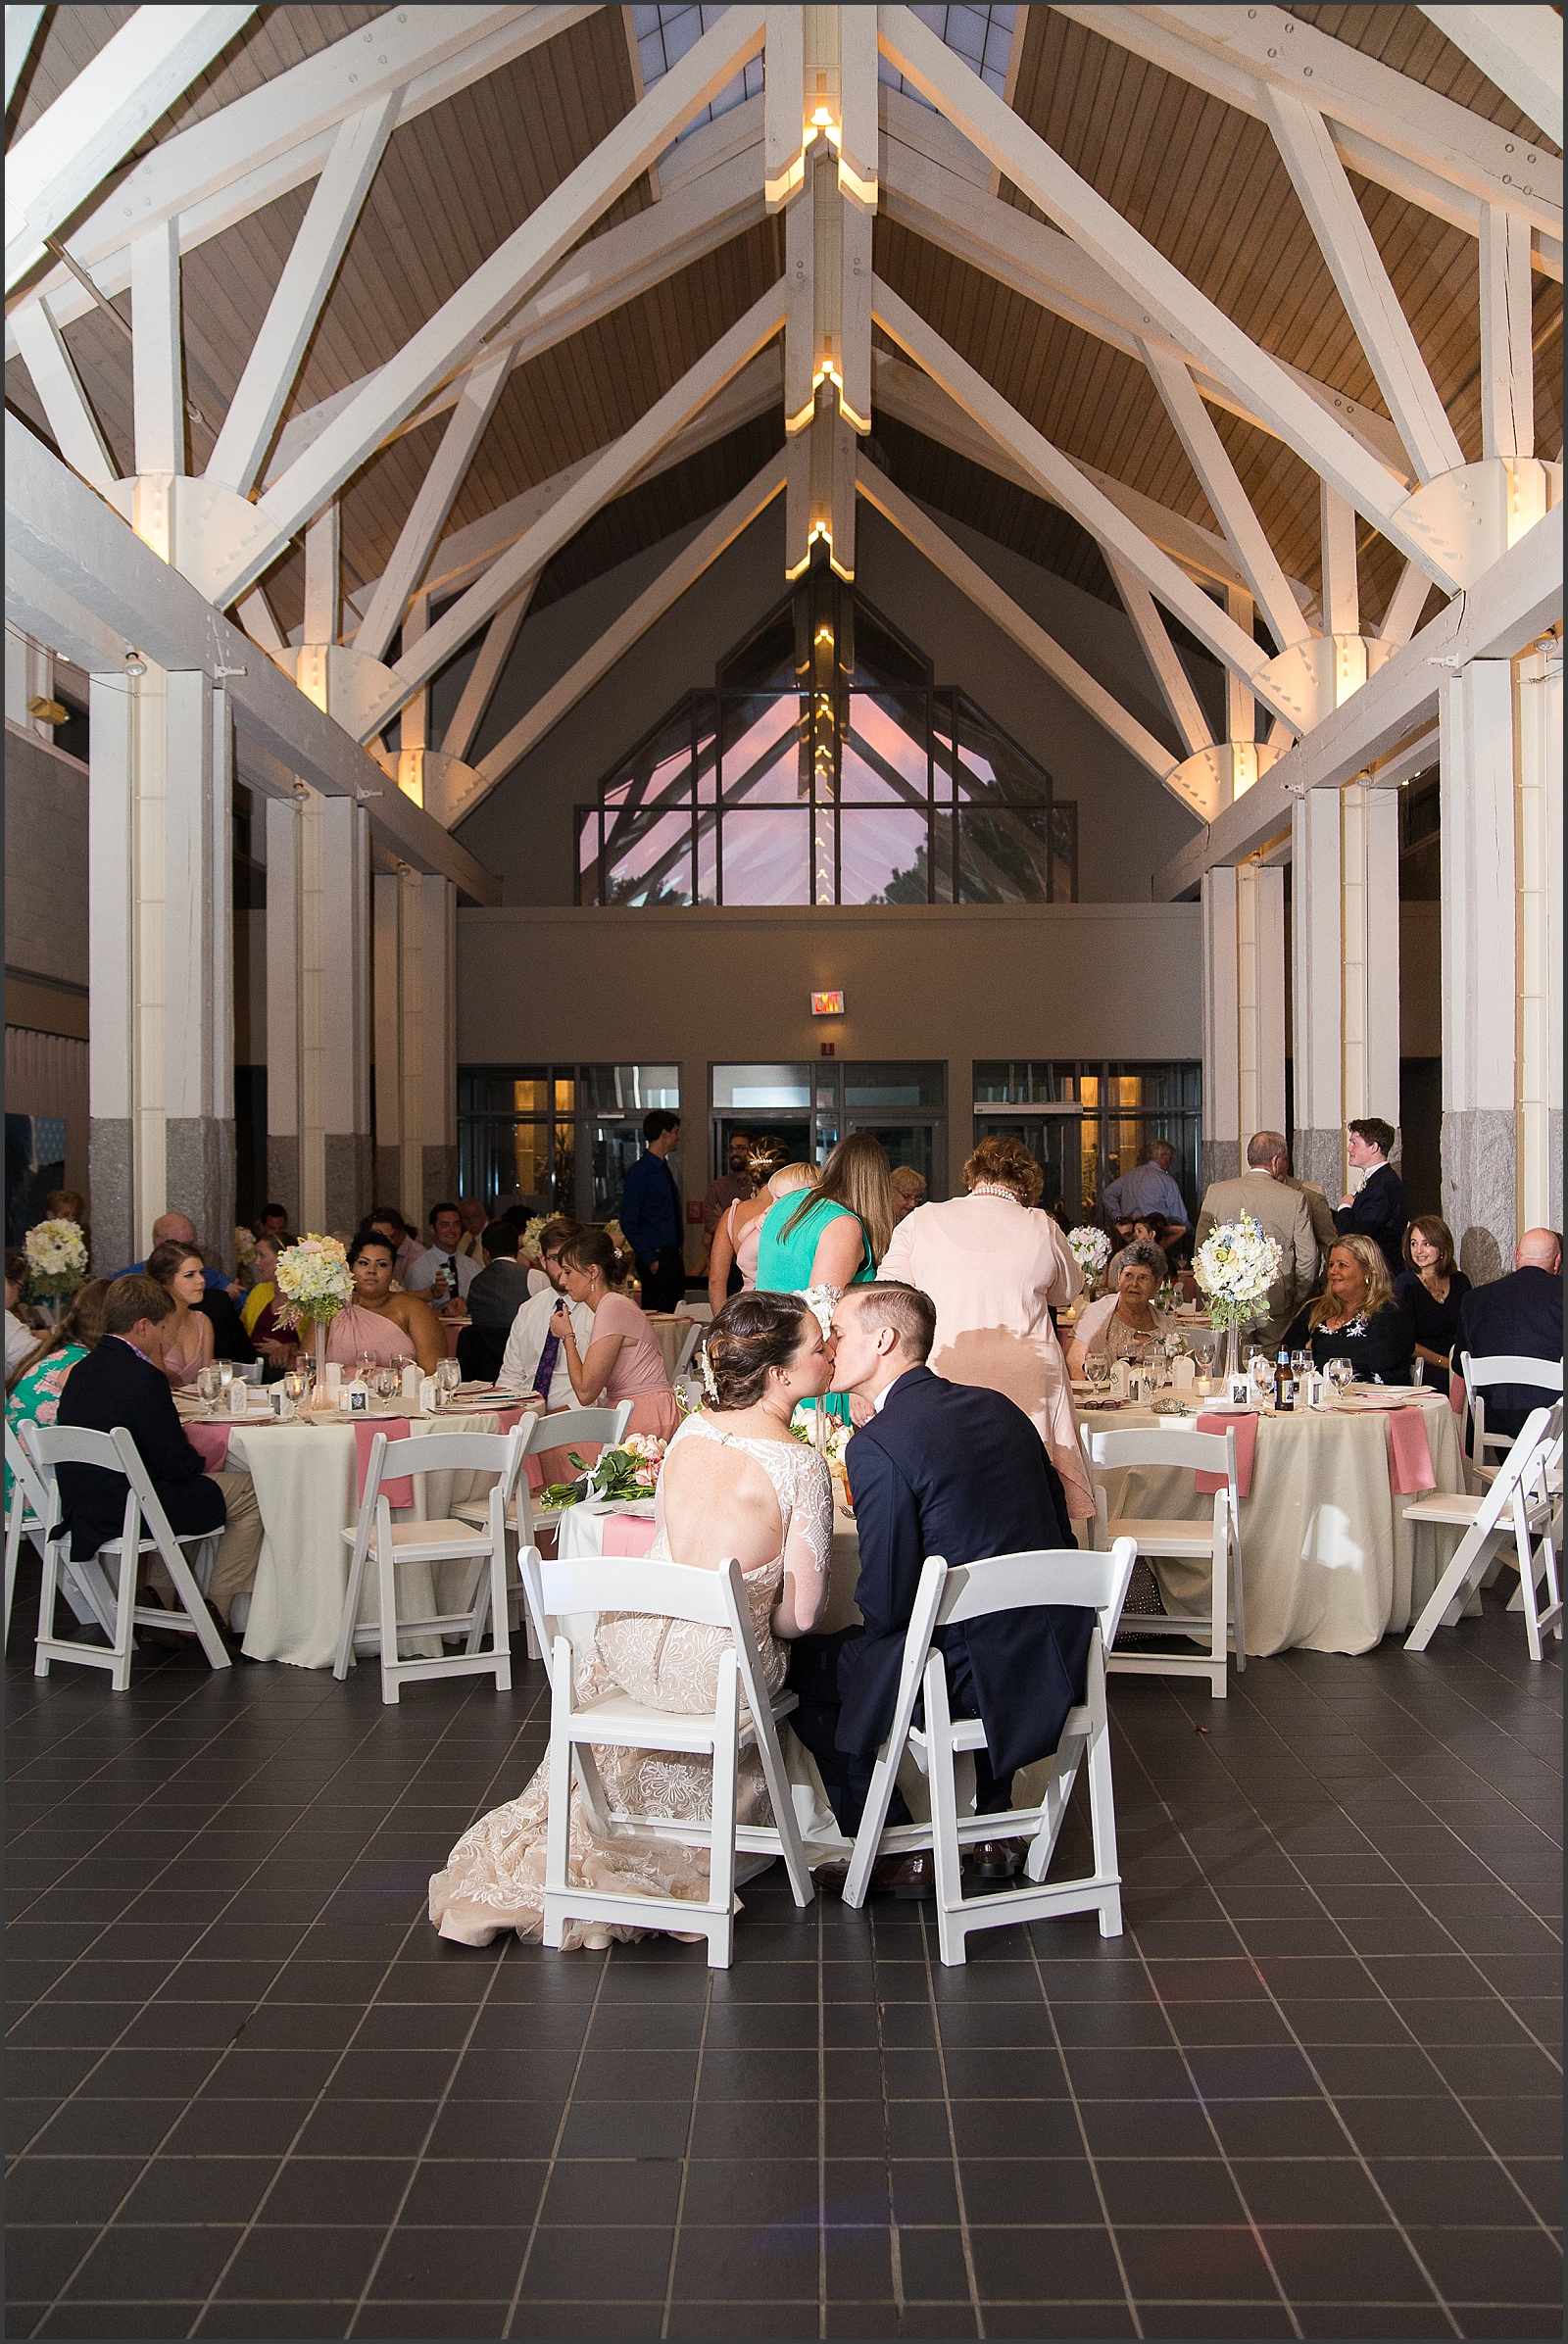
x,y
1149,1189
174,1227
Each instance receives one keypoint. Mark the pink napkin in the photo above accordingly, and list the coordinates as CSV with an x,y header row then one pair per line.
x,y
211,1444
1409,1452
1457,1393
396,1428
1245,1424
627,1534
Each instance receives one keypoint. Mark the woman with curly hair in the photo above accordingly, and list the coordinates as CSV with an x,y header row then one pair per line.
x,y
995,1266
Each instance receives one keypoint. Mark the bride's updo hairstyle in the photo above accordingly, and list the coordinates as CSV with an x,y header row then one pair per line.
x,y
751,1333
592,1249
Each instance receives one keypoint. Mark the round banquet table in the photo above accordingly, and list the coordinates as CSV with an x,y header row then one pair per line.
x,y
1330,1563
307,1491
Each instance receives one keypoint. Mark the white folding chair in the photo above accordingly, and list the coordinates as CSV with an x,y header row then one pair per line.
x,y
971,1592
1218,1542
1522,1502
144,1530
563,1430
694,1334
392,1545
1482,1376
744,1714
81,1583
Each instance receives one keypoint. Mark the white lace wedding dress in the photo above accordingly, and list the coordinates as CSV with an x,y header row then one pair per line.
x,y
494,1878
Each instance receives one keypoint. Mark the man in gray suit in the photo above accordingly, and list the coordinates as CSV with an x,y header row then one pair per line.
x,y
1281,1211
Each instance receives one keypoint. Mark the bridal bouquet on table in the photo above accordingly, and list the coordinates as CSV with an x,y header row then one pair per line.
x,y
620,1475
1235,1266
57,1262
1090,1249
316,1283
830,1438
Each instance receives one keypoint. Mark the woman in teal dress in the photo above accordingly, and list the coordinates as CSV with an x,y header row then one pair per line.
x,y
833,1234
32,1394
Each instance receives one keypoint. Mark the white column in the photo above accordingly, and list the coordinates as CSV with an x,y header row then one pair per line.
x,y
1369,847
1345,933
161,961
1480,971
416,950
317,1009
1540,766
1244,1012
1317,990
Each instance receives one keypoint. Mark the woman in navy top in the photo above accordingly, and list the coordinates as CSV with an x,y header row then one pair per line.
x,y
1356,1317
1431,1289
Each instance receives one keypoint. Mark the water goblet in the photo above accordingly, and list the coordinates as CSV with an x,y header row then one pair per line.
x,y
208,1388
448,1376
1340,1374
366,1362
225,1375
387,1383
1261,1371
297,1385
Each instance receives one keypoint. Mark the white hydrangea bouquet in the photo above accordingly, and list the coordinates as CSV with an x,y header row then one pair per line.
x,y
1090,1250
57,1261
316,1283
528,1245
1235,1266
244,1245
830,1437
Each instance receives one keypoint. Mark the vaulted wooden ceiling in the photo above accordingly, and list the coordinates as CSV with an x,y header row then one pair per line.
x,y
1198,178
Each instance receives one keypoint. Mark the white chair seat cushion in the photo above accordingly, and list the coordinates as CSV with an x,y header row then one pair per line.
x,y
1165,1538
1459,1509
437,1541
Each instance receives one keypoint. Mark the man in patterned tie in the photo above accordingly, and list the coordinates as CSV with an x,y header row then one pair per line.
x,y
535,1359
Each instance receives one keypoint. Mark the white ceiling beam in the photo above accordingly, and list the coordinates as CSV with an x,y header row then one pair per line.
x,y
1170,301
1065,486
322,576
358,146
1341,592
1227,500
501,282
21,24
1509,606
484,675
1405,605
1507,339
632,625
1164,660
1388,128
116,98
278,137
62,397
255,616
427,515
929,193
1241,708
610,472
974,583
1347,243
157,351
1519,49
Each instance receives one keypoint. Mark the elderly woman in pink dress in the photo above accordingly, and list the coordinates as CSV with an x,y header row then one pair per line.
x,y
994,1265
623,1360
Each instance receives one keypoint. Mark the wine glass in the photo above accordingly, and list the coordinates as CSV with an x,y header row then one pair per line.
x,y
208,1388
1096,1368
387,1383
448,1376
366,1363
1340,1374
1261,1371
225,1375
297,1385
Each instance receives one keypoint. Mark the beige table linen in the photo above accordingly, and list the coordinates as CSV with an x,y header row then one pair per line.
x,y
1329,1560
306,1487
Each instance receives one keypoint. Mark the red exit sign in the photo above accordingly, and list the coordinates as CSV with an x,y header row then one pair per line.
x,y
827,1005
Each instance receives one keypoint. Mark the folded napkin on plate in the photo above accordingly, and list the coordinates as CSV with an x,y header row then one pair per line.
x,y
210,1440
628,1534
396,1428
1409,1452
1245,1422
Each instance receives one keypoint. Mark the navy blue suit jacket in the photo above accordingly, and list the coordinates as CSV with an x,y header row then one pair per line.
x,y
1379,1210
115,1386
954,1470
1518,1317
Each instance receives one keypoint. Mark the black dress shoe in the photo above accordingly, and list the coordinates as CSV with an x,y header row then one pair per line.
x,y
997,1859
913,1878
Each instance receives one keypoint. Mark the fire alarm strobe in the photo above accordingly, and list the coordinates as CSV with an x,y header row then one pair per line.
x,y
827,1005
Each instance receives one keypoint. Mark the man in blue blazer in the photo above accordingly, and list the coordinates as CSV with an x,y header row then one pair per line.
x,y
1517,1317
954,1470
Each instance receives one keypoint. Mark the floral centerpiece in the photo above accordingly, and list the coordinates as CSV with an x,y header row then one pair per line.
x,y
1235,1266
1090,1250
244,1246
528,1243
316,1283
830,1437
628,1471
57,1261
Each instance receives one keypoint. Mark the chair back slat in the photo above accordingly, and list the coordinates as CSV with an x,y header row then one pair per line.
x,y
1182,1445
1091,1580
1543,1375
1516,1468
592,1584
607,1426
25,1475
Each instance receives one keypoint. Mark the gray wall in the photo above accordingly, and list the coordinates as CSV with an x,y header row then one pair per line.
x,y
950,982
1128,824
46,860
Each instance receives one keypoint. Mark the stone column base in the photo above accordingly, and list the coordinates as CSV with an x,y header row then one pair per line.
x,y
1319,1156
110,1184
1480,1199
348,1179
199,1180
1219,1159
440,1178
284,1175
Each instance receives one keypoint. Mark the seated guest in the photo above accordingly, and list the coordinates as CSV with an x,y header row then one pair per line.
x,y
1358,1317
908,1191
1378,1209
1151,1229
1148,1188
442,1272
1431,1289
275,1345
1124,1321
177,1229
187,1335
949,1469
495,1298
33,1388
67,1204
623,1360
474,1215
20,1340
392,1325
271,1221
535,1359
122,1381
405,1246
1518,1317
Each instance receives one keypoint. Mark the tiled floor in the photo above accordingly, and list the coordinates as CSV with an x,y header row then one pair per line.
x,y
1312,2091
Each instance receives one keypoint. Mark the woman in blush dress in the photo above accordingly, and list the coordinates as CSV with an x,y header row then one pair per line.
x,y
188,1335
735,1482
381,1319
740,1233
623,1361
995,1266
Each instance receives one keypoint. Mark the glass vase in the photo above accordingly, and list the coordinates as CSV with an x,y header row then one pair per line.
x,y
1233,1352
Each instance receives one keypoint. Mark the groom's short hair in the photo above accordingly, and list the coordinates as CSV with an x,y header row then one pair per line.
x,y
911,1314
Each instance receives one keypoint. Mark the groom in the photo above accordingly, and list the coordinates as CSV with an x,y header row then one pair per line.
x,y
949,1469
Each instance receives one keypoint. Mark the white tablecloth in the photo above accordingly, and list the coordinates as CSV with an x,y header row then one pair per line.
x,y
306,1485
1329,1561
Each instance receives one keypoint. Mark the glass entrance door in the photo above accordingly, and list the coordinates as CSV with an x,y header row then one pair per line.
x,y
810,1106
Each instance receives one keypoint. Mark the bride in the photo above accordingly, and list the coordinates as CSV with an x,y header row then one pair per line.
x,y
735,1482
